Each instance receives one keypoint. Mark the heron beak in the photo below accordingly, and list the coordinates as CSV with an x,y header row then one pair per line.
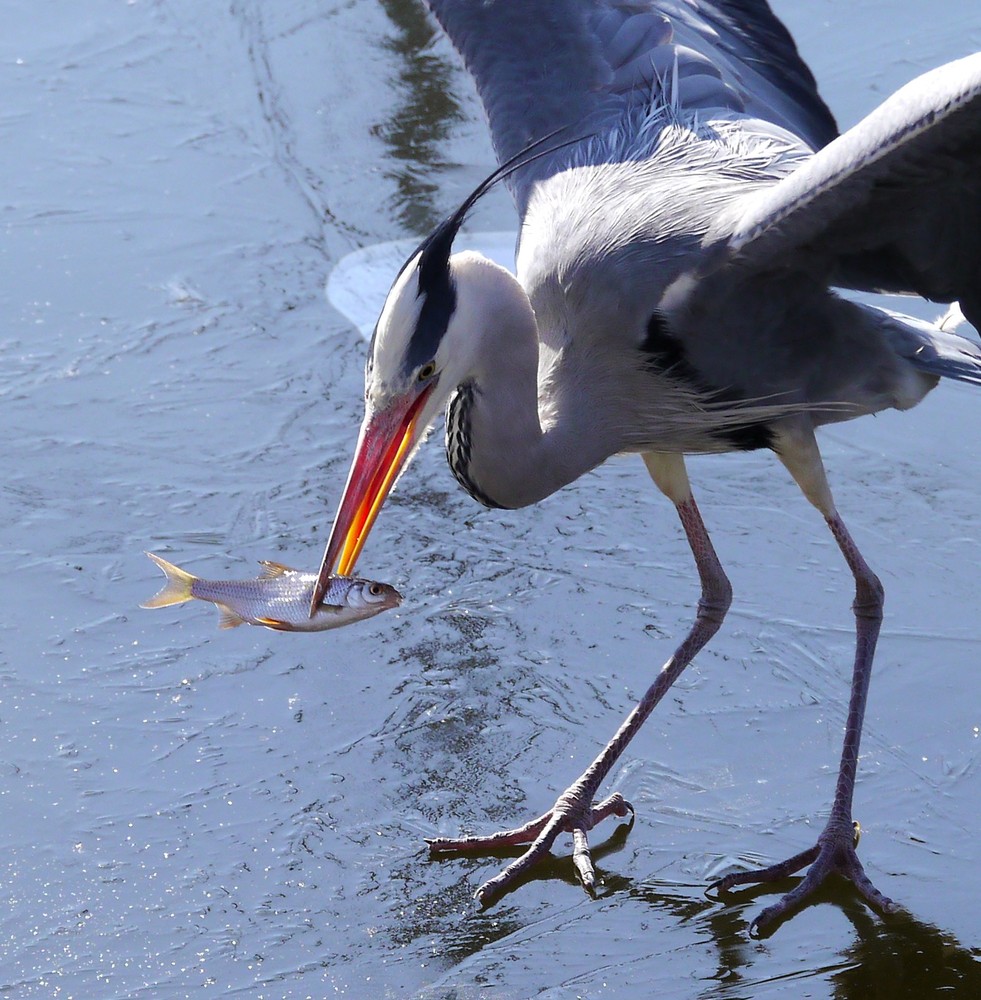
x,y
384,444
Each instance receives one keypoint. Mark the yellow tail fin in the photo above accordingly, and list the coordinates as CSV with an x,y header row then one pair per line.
x,y
176,590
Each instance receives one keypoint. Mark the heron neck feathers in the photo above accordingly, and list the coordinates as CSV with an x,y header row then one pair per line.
x,y
518,428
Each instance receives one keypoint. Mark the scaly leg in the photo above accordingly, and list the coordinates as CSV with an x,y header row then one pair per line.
x,y
834,851
574,811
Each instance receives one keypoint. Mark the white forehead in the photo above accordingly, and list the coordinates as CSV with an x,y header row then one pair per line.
x,y
399,318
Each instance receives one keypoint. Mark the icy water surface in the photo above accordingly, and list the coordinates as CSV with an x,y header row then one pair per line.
x,y
189,812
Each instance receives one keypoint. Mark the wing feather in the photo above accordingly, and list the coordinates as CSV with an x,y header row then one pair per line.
x,y
541,65
894,204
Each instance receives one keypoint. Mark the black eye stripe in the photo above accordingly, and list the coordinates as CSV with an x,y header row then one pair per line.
x,y
438,293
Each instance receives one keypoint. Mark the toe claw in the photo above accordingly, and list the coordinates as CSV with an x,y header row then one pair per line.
x,y
716,888
614,805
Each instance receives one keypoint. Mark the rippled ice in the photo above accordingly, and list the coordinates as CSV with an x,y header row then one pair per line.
x,y
187,810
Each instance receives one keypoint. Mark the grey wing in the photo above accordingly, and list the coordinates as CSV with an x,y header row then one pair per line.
x,y
894,204
542,65
758,59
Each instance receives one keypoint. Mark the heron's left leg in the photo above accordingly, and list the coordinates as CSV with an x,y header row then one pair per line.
x,y
574,811
834,851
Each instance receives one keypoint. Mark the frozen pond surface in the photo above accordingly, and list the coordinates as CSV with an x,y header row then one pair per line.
x,y
187,811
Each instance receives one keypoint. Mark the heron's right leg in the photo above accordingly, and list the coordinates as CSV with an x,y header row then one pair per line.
x,y
834,852
574,811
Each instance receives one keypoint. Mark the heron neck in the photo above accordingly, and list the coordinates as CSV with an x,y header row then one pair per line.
x,y
520,427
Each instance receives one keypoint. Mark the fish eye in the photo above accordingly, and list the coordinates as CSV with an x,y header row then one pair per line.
x,y
427,371
375,589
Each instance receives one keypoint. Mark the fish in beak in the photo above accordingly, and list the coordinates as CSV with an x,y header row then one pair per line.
x,y
387,439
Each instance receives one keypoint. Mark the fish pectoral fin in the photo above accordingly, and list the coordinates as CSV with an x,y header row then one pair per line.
x,y
228,618
271,570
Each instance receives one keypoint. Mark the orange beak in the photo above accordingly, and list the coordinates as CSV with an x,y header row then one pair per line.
x,y
385,443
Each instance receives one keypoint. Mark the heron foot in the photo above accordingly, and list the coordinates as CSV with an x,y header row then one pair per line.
x,y
568,815
833,854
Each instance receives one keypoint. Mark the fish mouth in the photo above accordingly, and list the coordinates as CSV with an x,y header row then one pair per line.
x,y
385,443
392,600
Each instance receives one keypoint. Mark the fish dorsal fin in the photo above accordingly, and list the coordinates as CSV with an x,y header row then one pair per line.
x,y
270,570
228,618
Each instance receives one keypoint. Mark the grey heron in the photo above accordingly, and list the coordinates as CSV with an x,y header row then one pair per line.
x,y
675,294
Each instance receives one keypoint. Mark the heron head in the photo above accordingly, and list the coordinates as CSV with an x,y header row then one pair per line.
x,y
420,352
410,373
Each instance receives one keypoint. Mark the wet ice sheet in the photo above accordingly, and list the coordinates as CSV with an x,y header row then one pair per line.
x,y
185,808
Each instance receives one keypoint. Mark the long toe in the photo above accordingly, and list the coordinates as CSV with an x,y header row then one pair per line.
x,y
773,873
491,841
614,805
572,813
834,854
582,859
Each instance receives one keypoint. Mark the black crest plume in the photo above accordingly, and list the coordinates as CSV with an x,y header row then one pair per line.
x,y
436,286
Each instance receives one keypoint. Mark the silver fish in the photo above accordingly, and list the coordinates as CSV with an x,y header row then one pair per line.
x,y
279,598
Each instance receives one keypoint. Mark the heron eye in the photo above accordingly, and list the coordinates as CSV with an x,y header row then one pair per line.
x,y
427,371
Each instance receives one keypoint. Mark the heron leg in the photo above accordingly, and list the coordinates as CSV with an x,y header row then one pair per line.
x,y
835,850
574,811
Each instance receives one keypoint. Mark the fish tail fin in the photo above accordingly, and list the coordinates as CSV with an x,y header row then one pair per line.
x,y
176,590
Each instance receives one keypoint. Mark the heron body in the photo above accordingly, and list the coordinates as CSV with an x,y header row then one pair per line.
x,y
687,214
